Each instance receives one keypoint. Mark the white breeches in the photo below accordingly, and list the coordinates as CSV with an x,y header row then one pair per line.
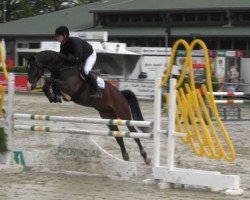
x,y
89,63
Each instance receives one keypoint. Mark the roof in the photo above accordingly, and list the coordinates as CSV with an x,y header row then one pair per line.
x,y
76,18
80,19
209,31
172,5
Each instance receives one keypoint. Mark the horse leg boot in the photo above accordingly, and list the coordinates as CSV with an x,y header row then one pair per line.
x,y
93,80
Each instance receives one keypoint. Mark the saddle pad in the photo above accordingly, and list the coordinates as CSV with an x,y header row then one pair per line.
x,y
100,82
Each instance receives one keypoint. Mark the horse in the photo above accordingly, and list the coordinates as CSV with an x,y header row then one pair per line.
x,y
66,78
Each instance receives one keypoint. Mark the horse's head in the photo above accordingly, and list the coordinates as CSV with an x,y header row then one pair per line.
x,y
35,71
38,63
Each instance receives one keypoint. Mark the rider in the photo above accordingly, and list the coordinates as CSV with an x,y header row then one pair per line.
x,y
77,51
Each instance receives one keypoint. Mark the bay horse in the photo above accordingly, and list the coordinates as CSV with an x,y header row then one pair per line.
x,y
66,78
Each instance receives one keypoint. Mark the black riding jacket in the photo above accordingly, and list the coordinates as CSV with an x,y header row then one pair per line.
x,y
75,50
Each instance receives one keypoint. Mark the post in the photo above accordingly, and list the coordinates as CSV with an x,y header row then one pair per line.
x,y
11,91
168,23
157,123
4,11
171,124
239,113
225,113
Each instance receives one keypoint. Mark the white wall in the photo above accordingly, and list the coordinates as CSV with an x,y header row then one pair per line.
x,y
245,73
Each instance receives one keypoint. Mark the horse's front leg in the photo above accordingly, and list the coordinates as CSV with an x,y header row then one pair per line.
x,y
60,88
51,91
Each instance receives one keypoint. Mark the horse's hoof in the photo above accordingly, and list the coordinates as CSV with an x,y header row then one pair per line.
x,y
125,156
147,161
145,158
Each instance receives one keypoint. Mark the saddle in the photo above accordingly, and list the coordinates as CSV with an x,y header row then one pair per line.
x,y
97,72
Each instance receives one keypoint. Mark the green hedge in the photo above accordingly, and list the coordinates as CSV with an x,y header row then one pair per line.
x,y
3,140
18,69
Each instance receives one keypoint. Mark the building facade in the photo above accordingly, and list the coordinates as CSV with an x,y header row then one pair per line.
x,y
223,25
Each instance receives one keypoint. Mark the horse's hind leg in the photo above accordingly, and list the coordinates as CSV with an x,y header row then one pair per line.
x,y
120,141
126,115
142,151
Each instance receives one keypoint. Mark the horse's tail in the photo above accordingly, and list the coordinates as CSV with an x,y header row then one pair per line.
x,y
135,108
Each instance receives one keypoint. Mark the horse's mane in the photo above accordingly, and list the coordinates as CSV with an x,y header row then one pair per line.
x,y
48,53
52,60
47,56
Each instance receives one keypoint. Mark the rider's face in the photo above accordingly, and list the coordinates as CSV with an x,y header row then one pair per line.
x,y
60,38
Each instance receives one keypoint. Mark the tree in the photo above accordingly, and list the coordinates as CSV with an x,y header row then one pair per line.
x,y
16,9
11,7
55,5
27,9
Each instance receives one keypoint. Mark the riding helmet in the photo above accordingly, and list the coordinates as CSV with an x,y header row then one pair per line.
x,y
62,30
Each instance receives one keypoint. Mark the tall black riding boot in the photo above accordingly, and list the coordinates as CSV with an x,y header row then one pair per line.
x,y
93,79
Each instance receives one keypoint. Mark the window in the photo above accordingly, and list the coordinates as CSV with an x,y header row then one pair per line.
x,y
147,18
226,44
103,20
190,17
240,44
113,18
202,17
141,42
34,45
20,60
125,18
177,17
136,18
211,44
237,16
246,16
215,17
22,45
154,42
158,18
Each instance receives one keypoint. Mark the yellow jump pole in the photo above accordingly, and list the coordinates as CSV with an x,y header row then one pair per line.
x,y
192,107
2,57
